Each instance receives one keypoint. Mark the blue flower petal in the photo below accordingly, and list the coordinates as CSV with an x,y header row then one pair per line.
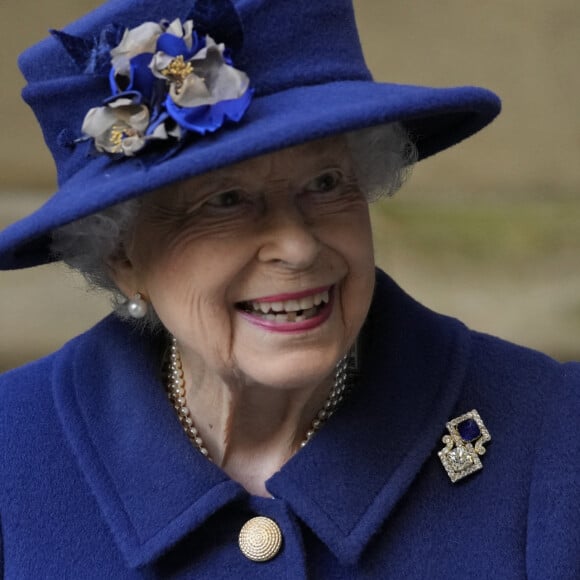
x,y
159,118
135,97
209,118
197,43
176,46
171,45
113,81
140,77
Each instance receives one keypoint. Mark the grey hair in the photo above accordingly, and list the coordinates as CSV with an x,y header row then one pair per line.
x,y
90,244
383,157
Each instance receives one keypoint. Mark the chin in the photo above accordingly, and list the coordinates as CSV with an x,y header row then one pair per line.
x,y
292,371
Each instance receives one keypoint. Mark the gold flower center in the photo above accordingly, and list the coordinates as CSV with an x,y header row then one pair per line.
x,y
118,134
177,70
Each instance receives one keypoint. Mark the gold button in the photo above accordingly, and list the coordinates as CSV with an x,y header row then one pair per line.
x,y
260,539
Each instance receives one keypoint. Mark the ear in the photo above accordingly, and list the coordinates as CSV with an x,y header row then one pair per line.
x,y
125,275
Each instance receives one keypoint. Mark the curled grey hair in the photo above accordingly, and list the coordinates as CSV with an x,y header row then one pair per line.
x,y
383,157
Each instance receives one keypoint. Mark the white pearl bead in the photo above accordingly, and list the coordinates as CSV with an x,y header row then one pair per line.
x,y
137,308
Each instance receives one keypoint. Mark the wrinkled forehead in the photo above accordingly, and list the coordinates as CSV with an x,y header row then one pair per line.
x,y
291,164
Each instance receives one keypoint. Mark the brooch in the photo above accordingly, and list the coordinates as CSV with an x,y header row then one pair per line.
x,y
464,446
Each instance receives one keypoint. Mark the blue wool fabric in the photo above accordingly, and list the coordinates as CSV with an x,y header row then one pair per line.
x,y
99,480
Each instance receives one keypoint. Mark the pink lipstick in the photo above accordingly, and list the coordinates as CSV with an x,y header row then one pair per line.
x,y
290,312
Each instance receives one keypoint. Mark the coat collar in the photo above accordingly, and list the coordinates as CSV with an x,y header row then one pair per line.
x,y
153,489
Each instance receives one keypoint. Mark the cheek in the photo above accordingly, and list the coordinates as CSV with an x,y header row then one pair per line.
x,y
184,283
354,239
198,315
190,291
358,252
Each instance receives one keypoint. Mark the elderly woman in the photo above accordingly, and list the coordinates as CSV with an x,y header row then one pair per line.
x,y
263,403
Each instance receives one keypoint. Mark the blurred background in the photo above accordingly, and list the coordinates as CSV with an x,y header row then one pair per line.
x,y
488,231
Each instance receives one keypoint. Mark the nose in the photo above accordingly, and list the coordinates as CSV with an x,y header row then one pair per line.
x,y
288,238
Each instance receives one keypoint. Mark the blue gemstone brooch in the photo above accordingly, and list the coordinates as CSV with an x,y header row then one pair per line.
x,y
464,445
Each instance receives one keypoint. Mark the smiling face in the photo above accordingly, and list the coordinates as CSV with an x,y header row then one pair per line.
x,y
263,271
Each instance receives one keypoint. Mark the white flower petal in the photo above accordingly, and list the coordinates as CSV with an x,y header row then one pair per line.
x,y
132,145
210,44
122,66
120,103
185,31
136,41
119,127
160,132
159,62
139,120
192,93
212,81
209,65
97,121
175,132
143,38
188,33
229,83
175,28
103,144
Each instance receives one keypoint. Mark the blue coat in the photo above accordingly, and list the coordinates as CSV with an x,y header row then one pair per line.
x,y
98,479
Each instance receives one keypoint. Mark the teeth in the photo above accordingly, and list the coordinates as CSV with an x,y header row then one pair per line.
x,y
310,312
282,310
291,305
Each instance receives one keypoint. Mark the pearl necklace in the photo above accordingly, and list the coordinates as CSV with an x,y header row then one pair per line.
x,y
175,386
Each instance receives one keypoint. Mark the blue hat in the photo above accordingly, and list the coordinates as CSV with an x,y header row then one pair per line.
x,y
181,104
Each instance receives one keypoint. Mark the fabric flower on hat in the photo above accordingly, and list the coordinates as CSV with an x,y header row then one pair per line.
x,y
198,84
121,127
135,41
118,127
166,81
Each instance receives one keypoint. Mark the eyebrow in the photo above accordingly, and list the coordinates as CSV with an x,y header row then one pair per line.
x,y
206,185
234,176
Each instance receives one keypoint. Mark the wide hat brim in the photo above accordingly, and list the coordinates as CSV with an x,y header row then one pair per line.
x,y
436,117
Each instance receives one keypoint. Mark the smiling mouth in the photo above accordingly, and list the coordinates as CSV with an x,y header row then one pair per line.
x,y
286,311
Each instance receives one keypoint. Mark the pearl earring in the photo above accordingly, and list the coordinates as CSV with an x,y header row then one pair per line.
x,y
137,307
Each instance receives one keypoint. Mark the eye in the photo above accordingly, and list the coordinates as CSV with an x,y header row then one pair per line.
x,y
226,199
325,182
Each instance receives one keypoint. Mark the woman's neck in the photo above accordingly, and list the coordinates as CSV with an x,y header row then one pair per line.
x,y
250,430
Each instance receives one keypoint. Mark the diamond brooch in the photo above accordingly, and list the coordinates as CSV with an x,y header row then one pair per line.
x,y
464,445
